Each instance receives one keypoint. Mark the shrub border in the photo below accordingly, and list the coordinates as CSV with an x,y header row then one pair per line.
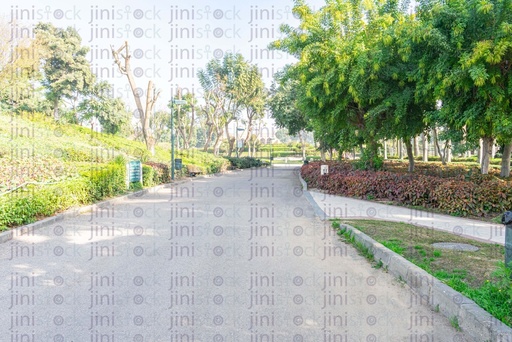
x,y
73,212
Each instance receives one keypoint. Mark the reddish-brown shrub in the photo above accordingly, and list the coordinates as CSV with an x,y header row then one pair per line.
x,y
461,193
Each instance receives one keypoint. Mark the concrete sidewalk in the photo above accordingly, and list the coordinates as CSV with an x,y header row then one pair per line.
x,y
332,206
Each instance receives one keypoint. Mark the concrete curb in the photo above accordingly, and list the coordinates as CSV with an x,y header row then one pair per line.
x,y
29,229
472,319
73,212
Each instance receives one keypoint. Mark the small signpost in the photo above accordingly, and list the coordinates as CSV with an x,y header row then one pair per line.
x,y
324,169
133,172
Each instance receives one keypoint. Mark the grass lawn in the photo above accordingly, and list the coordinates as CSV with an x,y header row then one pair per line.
x,y
478,275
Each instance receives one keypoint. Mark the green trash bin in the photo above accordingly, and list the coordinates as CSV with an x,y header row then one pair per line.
x,y
178,165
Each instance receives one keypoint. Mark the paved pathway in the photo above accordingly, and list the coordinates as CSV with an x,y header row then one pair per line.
x,y
239,257
344,207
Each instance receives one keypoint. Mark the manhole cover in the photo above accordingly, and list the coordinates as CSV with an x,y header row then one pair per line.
x,y
456,246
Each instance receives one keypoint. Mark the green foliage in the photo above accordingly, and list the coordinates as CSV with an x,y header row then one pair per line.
x,y
27,205
495,296
466,67
369,161
244,162
148,176
136,186
110,112
395,245
454,321
231,86
66,69
161,172
107,181
207,162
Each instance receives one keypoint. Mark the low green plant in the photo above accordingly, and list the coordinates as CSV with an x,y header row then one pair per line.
x,y
244,162
106,181
395,245
136,186
148,176
454,321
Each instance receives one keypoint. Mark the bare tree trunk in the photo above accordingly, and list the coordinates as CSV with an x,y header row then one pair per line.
x,y
56,109
437,147
480,151
416,147
385,145
400,149
146,130
302,139
486,154
231,142
448,151
218,141
436,143
505,160
410,155
493,150
209,136
151,96
424,139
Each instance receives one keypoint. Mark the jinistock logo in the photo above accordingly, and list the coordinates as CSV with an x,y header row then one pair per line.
x,y
46,13
100,13
203,23
193,13
123,31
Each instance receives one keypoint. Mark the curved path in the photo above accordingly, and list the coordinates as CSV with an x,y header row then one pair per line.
x,y
238,257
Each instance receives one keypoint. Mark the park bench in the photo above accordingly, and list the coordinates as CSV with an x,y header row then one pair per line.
x,y
193,170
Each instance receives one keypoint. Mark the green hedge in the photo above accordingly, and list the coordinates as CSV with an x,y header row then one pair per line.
x,y
106,181
161,173
244,162
35,201
148,176
25,206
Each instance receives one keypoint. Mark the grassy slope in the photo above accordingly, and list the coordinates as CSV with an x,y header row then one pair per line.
x,y
34,148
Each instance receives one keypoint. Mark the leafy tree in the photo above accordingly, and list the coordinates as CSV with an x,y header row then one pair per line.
x,y
19,68
160,122
253,100
352,78
66,70
185,120
230,86
110,112
214,96
467,67
283,104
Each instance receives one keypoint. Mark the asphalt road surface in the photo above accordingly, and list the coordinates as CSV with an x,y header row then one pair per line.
x,y
237,257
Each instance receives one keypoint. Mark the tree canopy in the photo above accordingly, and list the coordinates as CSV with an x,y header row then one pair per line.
x,y
373,70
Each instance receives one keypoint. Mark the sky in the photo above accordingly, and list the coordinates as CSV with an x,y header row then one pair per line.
x,y
169,40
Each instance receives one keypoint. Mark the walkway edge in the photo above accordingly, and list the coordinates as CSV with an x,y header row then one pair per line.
x,y
472,319
29,229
